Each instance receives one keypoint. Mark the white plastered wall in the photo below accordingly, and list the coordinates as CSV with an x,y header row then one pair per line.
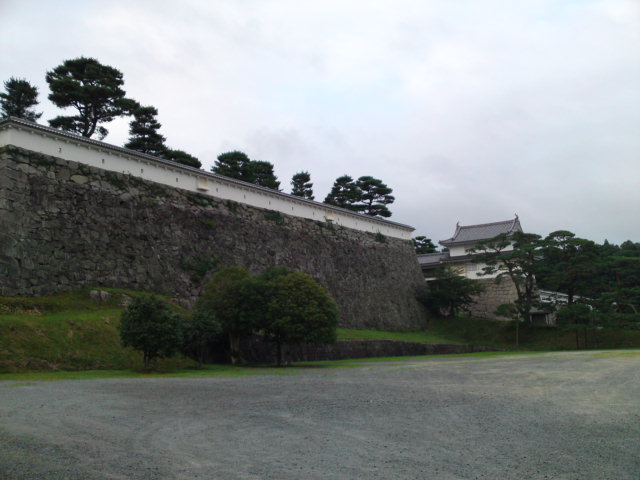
x,y
103,156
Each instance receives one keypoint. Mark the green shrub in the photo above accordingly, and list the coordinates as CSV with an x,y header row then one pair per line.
x,y
149,326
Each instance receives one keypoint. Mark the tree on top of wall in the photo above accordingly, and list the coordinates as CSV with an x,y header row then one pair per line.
x,y
366,195
143,132
180,156
344,193
374,197
94,90
238,165
302,186
18,99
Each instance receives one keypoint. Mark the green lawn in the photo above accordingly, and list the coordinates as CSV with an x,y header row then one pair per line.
x,y
66,332
418,337
71,332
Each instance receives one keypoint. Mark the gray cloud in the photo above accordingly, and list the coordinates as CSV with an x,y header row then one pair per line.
x,y
470,110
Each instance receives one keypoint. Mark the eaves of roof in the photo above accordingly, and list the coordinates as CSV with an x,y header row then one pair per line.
x,y
472,234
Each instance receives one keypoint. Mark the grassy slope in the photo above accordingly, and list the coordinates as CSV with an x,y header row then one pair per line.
x,y
494,333
64,332
72,332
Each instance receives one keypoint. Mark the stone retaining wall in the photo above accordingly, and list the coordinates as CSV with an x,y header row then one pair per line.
x,y
495,294
256,350
64,225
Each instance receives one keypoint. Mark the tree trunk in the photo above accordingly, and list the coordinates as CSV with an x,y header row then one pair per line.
x,y
586,342
234,348
279,352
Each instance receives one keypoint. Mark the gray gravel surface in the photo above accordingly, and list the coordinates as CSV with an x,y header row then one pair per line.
x,y
542,416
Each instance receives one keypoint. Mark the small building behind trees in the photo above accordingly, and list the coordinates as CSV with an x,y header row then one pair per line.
x,y
457,254
460,257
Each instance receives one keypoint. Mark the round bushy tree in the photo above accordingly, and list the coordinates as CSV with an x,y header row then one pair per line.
x,y
200,331
149,326
230,296
299,310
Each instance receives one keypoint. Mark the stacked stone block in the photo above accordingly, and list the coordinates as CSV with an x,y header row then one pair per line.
x,y
64,225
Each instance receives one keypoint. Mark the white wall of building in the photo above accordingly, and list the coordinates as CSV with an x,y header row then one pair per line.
x,y
107,157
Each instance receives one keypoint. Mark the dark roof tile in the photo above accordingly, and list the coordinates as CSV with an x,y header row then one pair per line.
x,y
483,231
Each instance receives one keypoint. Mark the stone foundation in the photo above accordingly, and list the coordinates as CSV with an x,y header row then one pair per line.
x,y
64,225
495,294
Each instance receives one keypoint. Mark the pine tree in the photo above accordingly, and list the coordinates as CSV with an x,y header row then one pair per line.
x,y
238,165
233,164
374,197
94,90
302,186
261,173
180,156
19,99
344,193
143,131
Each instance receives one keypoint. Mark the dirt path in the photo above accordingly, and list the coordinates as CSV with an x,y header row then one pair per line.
x,y
544,416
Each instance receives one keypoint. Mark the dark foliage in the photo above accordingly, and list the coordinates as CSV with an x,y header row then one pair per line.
x,y
149,326
201,331
18,99
374,197
449,293
367,195
423,244
93,90
302,186
238,165
180,156
143,132
344,193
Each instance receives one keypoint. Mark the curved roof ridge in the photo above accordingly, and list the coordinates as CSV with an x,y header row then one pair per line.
x,y
482,231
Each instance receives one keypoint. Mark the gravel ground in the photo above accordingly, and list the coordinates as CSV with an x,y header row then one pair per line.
x,y
543,416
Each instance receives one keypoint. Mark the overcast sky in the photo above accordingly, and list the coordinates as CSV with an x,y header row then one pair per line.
x,y
471,110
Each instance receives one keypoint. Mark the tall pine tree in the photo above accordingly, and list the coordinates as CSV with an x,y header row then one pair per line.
x,y
344,193
261,173
143,132
233,164
302,186
18,99
94,90
374,197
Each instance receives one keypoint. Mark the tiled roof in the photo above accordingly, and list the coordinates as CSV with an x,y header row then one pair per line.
x,y
483,231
